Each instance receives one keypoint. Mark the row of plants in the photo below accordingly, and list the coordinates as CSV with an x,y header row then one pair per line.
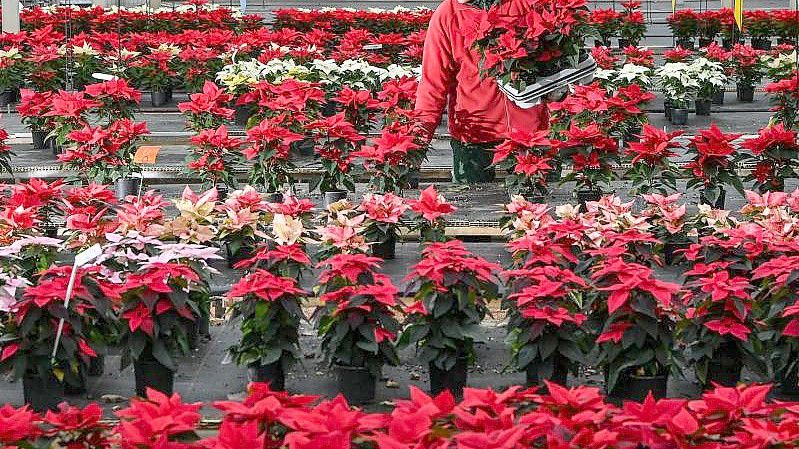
x,y
514,418
760,25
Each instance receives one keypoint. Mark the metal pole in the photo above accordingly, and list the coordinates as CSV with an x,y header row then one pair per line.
x,y
10,16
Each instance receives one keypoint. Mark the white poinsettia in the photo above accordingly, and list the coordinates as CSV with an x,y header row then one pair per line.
x,y
708,75
677,83
11,53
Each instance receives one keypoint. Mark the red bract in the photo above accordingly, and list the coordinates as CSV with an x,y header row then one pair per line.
x,y
158,421
207,108
712,153
431,205
81,427
654,145
265,285
18,425
443,262
677,54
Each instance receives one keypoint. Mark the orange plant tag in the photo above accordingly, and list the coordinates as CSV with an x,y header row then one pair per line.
x,y
146,154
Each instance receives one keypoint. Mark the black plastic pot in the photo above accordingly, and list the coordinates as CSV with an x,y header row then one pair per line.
x,y
40,140
77,385
55,147
414,176
126,186
746,94
453,380
221,192
152,374
169,91
7,97
242,115
761,43
702,107
192,329
705,41
332,197
42,393
159,98
686,43
667,107
725,366
272,374
356,383
586,196
97,366
630,387
718,97
670,249
623,43
471,164
679,116
718,204
386,249
559,375
204,325
726,43
789,384
274,197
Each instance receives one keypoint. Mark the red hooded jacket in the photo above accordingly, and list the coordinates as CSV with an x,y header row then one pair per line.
x,y
478,111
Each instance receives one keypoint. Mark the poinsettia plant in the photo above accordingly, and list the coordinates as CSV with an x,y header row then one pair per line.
x,y
747,65
383,216
270,312
451,288
117,99
268,145
431,210
712,162
153,300
775,152
651,166
634,315
783,94
336,139
392,159
592,153
606,22
543,39
214,154
207,109
527,158
31,326
32,107
356,317
633,26
242,220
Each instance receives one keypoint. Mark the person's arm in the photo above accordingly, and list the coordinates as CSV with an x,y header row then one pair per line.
x,y
438,74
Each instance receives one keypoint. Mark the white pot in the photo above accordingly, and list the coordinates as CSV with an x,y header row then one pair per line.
x,y
531,96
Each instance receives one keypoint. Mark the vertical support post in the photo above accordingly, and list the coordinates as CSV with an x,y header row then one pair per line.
x,y
10,16
154,4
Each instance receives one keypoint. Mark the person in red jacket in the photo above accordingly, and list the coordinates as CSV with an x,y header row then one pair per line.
x,y
479,114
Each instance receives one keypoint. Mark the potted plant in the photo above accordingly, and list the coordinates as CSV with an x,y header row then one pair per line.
x,y
383,217
545,321
651,167
633,26
154,72
12,74
336,139
748,69
709,77
207,109
31,332
606,23
356,320
104,154
32,108
241,222
783,96
634,318
268,145
667,220
116,99
152,301
431,209
528,159
679,87
393,159
451,288
214,154
67,113
592,153
775,152
709,27
760,26
684,26
712,165
270,311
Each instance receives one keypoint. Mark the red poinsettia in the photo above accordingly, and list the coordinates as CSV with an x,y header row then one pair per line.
x,y
207,109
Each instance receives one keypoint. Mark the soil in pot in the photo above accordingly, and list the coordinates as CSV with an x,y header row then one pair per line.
x,y
272,374
725,366
631,387
679,116
159,98
356,383
702,107
471,164
386,249
332,197
126,186
746,93
453,379
42,393
151,373
718,204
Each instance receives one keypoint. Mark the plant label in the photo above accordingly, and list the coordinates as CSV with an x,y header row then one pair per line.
x,y
146,154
